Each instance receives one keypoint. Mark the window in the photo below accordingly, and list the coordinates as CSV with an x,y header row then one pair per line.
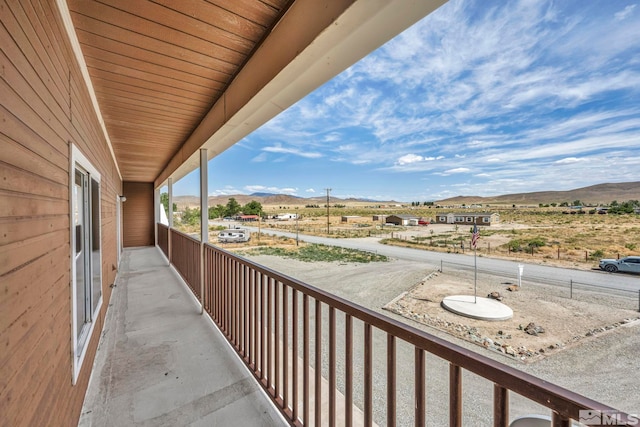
x,y
86,254
486,219
469,219
443,219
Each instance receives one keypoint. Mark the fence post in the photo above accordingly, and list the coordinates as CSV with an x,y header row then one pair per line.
x,y
639,300
558,252
586,256
571,288
440,266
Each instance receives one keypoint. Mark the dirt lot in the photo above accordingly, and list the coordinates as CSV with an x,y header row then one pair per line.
x,y
410,291
564,322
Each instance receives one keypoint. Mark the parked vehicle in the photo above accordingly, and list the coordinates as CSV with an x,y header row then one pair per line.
x,y
234,235
630,264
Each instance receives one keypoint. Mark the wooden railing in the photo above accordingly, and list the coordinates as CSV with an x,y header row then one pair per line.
x,y
186,258
163,239
286,332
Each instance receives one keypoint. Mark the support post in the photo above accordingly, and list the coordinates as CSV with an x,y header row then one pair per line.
x,y
204,218
170,190
156,213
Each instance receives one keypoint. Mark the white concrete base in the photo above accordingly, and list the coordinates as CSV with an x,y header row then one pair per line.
x,y
477,307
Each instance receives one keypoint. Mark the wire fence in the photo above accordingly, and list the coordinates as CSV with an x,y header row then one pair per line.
x,y
622,298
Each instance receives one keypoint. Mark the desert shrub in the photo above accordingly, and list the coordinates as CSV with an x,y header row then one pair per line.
x,y
597,254
537,242
515,245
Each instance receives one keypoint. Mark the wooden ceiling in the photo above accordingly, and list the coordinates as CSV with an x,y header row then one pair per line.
x,y
157,67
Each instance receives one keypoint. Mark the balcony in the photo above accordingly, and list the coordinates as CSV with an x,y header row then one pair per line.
x,y
253,358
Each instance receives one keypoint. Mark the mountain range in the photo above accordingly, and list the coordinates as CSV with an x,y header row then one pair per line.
x,y
594,194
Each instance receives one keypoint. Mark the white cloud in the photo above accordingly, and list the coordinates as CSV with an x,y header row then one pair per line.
x,y
310,190
568,161
262,157
457,170
409,158
294,151
623,14
226,191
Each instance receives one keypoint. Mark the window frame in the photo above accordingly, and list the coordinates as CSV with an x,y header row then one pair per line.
x,y
80,341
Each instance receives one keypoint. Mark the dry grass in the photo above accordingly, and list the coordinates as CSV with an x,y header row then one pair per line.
x,y
576,240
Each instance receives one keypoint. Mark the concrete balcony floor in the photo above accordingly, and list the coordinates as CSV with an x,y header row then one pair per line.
x,y
161,363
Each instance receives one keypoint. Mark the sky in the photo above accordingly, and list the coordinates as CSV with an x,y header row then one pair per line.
x,y
479,98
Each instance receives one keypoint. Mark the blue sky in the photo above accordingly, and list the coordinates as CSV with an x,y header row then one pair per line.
x,y
479,98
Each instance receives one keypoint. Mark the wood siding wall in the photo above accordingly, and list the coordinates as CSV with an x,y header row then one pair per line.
x,y
44,106
138,214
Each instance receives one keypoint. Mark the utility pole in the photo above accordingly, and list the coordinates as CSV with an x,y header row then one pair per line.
x,y
328,190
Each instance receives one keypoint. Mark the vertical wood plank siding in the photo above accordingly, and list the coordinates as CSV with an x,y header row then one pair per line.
x,y
137,211
44,106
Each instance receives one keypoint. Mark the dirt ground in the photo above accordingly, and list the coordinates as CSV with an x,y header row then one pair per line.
x,y
406,290
565,322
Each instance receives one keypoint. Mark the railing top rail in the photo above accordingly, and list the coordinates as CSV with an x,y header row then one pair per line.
x,y
173,230
556,398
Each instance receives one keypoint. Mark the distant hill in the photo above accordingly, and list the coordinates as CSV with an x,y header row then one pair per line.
x,y
270,199
594,194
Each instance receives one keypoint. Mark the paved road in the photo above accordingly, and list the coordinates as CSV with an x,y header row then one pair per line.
x,y
630,284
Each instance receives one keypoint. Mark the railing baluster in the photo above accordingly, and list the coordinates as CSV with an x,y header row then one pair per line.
x,y
420,390
247,313
305,358
318,359
256,323
237,317
500,406
232,304
368,376
391,380
250,317
263,329
294,352
332,367
285,346
455,395
348,370
276,337
269,336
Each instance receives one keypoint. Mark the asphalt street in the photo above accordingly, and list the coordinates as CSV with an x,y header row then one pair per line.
x,y
561,276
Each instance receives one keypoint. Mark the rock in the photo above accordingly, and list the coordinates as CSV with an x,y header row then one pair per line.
x,y
495,295
533,329
510,351
513,288
487,342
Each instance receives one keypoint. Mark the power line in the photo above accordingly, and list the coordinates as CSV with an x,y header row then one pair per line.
x,y
328,191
